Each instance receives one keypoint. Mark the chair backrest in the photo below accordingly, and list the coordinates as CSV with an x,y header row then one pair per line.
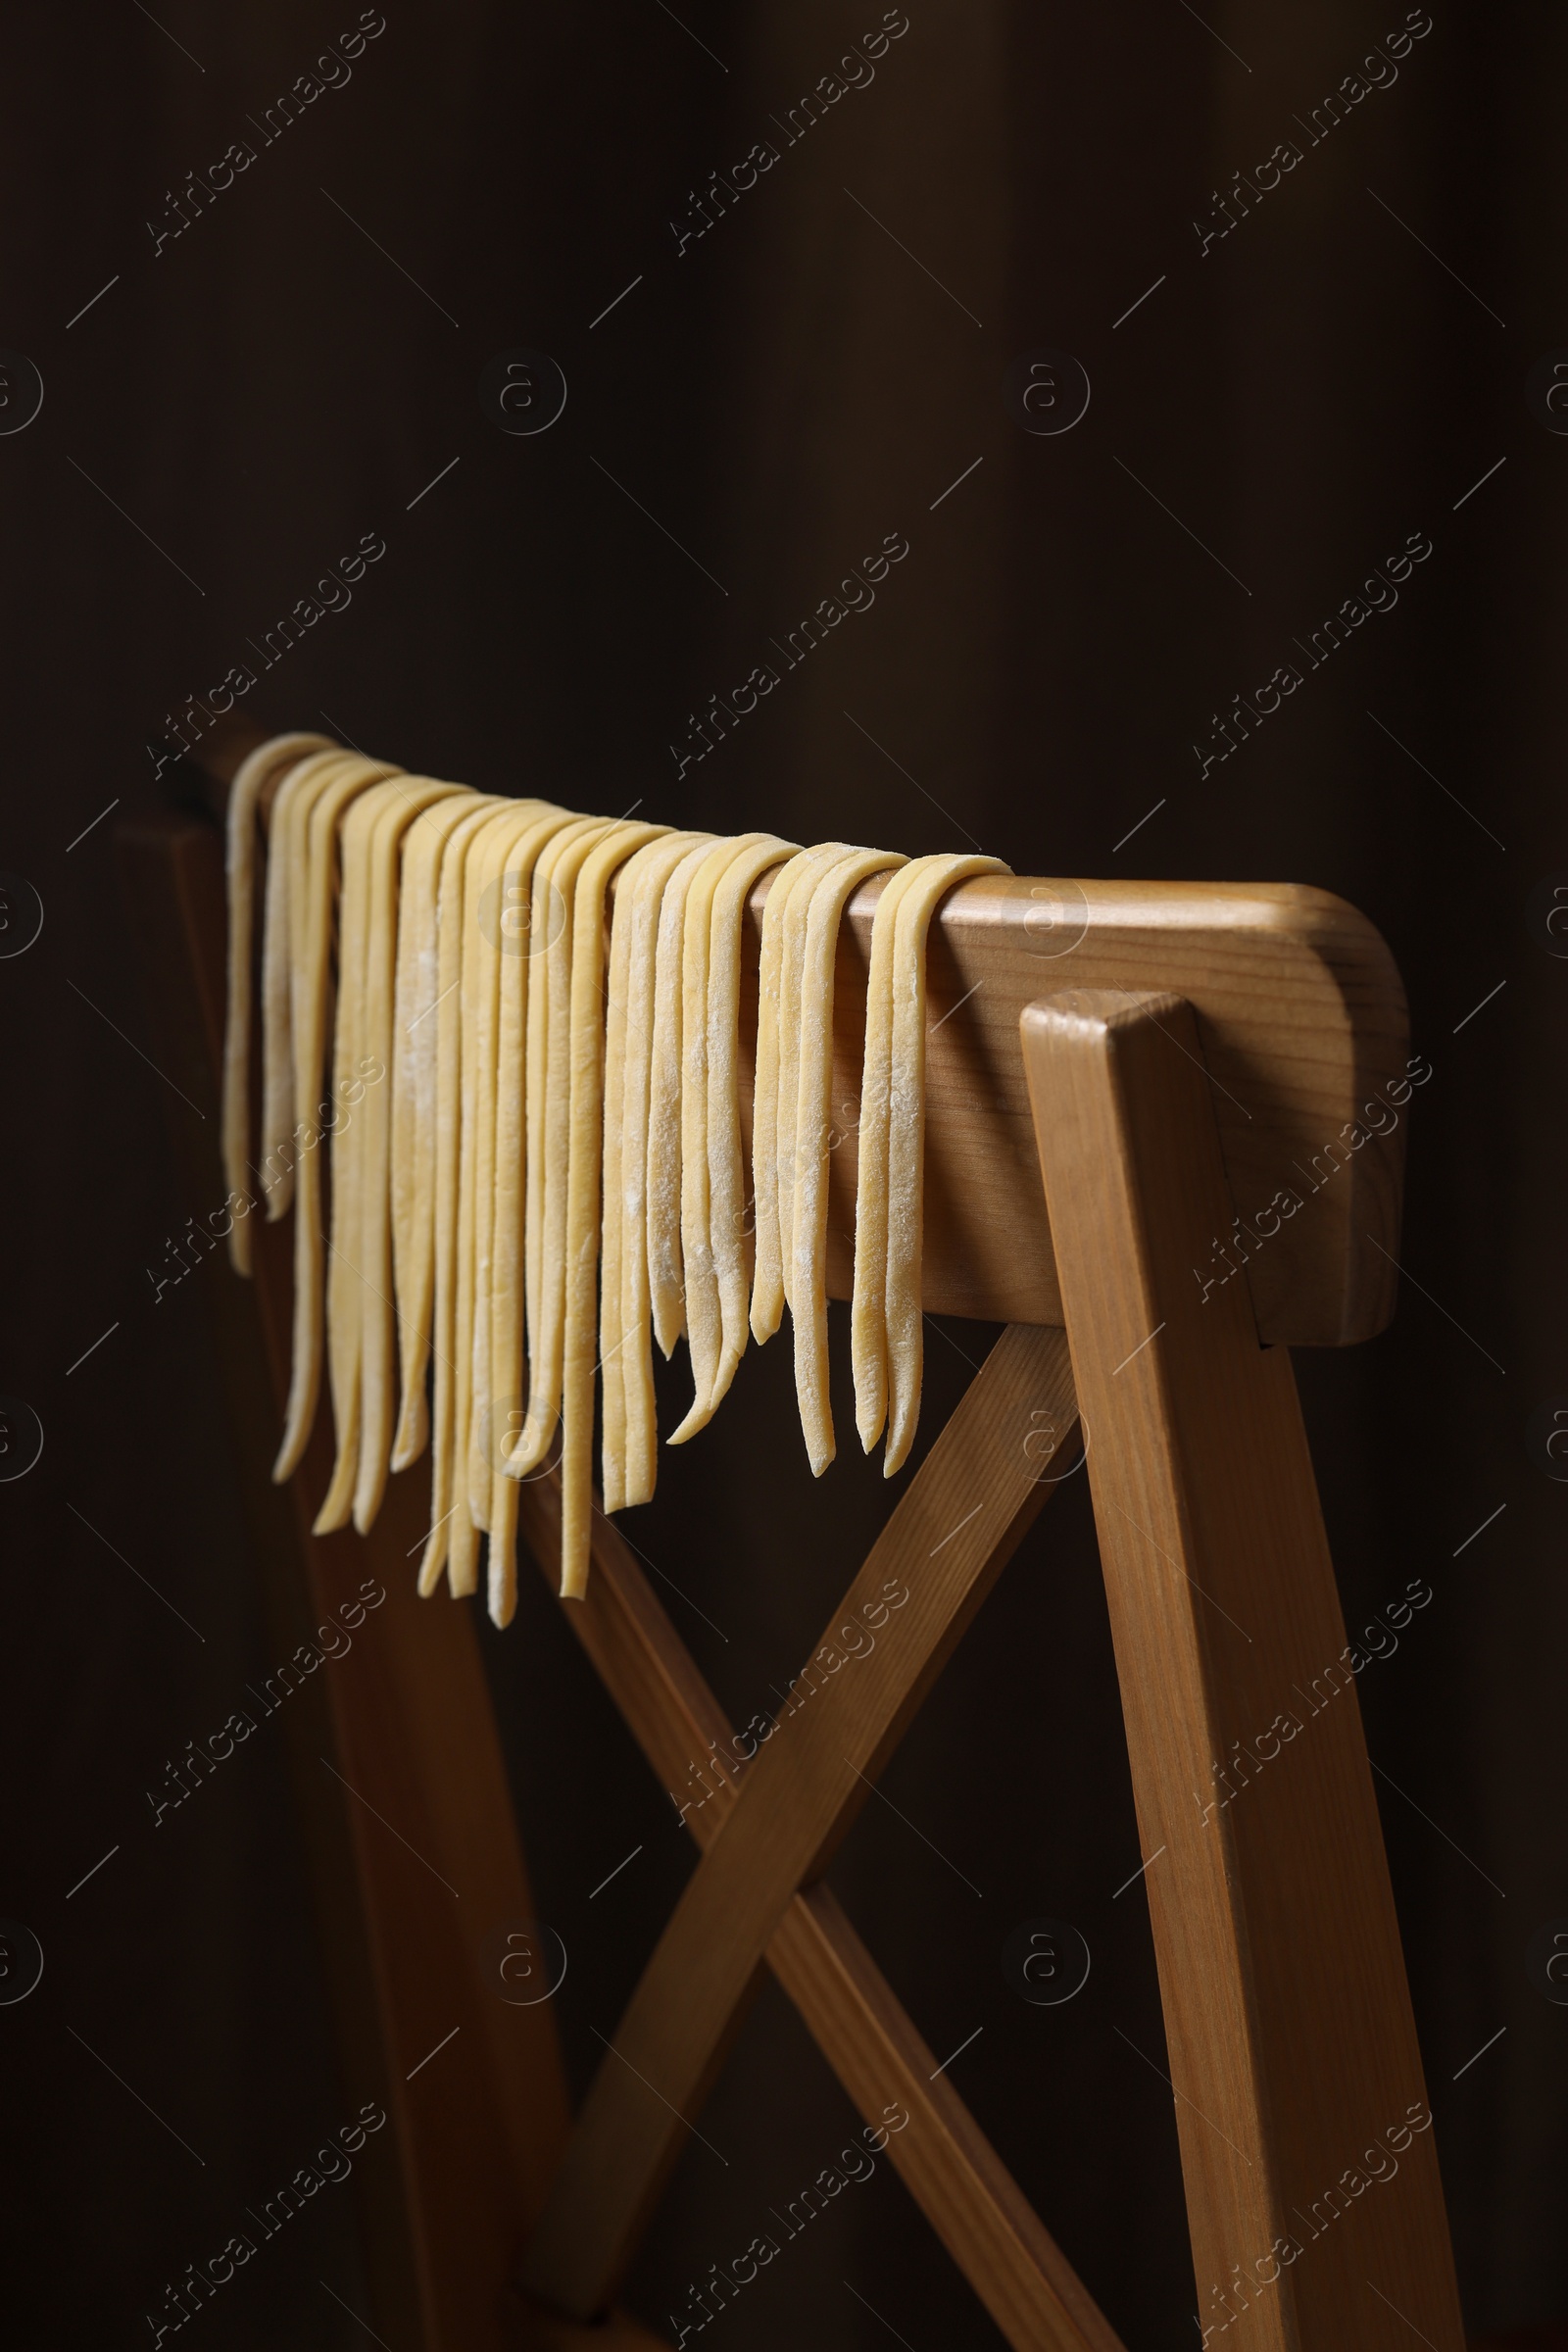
x,y
1210,1082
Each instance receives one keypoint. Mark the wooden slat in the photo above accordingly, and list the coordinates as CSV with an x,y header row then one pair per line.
x,y
971,2200
1301,1018
950,1537
403,1718
1292,2050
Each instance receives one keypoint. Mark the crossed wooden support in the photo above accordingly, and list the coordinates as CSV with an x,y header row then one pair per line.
x,y
756,1897
1292,2045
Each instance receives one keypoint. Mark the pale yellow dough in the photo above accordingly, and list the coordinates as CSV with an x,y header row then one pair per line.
x,y
416,1035
666,1283
583,1195
244,794
525,1162
829,893
930,878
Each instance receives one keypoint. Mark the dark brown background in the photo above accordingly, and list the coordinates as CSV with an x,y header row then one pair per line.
x,y
269,387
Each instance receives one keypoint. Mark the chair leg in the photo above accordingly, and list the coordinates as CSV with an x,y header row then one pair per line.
x,y
1313,2193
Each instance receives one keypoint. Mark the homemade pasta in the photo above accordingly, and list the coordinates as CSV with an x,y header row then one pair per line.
x,y
521,1032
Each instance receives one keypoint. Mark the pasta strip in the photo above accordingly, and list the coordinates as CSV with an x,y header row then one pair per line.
x,y
416,1034
510,831
666,1283
583,1196
404,817
791,965
829,894
907,1146
282,938
345,1279
868,1305
312,850
703,1338
470,1493
638,888
767,1277
726,1177
626,1351
244,794
554,889
447,1013
498,1341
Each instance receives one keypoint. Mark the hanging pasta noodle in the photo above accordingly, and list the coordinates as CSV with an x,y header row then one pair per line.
x,y
891,1184
624,1236
709,1097
419,799
548,1133
829,894
767,1276
665,1283
628,1345
510,923
583,1197
312,850
283,921
414,1114
447,1012
868,1300
470,1481
352,1173
518,834
244,797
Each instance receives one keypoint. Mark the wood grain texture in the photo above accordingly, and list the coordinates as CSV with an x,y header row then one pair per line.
x,y
1291,2046
1301,1021
1300,1018
966,2192
949,1537
403,1718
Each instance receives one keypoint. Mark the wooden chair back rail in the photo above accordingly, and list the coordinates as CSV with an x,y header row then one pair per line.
x,y
1302,1029
1197,1046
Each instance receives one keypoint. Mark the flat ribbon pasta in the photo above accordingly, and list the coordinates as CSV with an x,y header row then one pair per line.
x,y
314,864
447,1012
905,1143
624,1232
666,1276
767,1273
415,1036
244,794
830,893
583,1192
627,1346
549,1116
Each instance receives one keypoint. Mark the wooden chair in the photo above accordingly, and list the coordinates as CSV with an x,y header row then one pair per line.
x,y
1194,1073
